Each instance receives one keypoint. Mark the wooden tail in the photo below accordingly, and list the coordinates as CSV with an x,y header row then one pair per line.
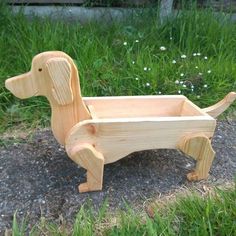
x,y
221,106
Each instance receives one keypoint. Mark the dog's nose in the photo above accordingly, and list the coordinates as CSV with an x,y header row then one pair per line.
x,y
21,86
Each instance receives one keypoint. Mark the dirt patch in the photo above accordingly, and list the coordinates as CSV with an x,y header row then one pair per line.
x,y
38,179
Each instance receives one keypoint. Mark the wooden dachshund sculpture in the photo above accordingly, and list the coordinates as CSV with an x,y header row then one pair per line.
x,y
100,130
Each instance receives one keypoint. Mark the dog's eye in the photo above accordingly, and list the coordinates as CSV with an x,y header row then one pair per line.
x,y
40,69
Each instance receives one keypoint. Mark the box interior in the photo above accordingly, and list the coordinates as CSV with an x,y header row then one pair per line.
x,y
142,106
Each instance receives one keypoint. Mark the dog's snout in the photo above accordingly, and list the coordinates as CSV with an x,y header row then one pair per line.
x,y
21,86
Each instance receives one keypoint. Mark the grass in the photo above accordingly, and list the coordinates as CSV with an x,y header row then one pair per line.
x,y
214,214
112,58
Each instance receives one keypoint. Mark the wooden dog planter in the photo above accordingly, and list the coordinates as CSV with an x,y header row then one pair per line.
x,y
100,130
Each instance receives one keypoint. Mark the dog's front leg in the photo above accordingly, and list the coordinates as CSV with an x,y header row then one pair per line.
x,y
89,158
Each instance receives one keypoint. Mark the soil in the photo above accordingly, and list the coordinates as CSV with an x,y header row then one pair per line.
x,y
38,179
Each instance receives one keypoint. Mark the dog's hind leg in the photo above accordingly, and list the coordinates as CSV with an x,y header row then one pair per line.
x,y
198,147
93,161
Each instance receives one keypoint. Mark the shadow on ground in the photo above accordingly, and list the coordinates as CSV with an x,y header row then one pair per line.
x,y
38,179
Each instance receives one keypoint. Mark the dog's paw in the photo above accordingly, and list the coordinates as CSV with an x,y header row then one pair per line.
x,y
192,176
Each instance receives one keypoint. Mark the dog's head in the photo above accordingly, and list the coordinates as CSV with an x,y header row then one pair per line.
x,y
50,76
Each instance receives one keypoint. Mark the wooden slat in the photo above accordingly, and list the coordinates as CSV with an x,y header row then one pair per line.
x,y
190,109
136,106
221,106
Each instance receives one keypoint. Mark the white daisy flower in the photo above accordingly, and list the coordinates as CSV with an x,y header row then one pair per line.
x,y
205,85
196,67
192,87
183,56
148,84
125,43
199,73
145,68
159,92
198,54
137,78
209,71
149,68
194,54
162,48
182,74
205,58
174,61
136,41
198,96
181,82
171,38
133,62
176,82
184,86
179,91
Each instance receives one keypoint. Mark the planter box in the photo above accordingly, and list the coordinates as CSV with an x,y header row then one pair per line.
x,y
100,130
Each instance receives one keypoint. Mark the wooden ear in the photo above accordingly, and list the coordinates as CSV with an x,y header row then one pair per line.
x,y
60,72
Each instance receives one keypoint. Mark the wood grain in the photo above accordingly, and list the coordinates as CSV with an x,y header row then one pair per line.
x,y
101,130
221,106
142,106
93,161
199,147
55,76
116,138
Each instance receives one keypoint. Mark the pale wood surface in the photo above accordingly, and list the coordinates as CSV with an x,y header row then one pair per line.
x,y
198,146
59,70
97,131
54,75
92,111
116,138
142,106
221,106
93,161
190,109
